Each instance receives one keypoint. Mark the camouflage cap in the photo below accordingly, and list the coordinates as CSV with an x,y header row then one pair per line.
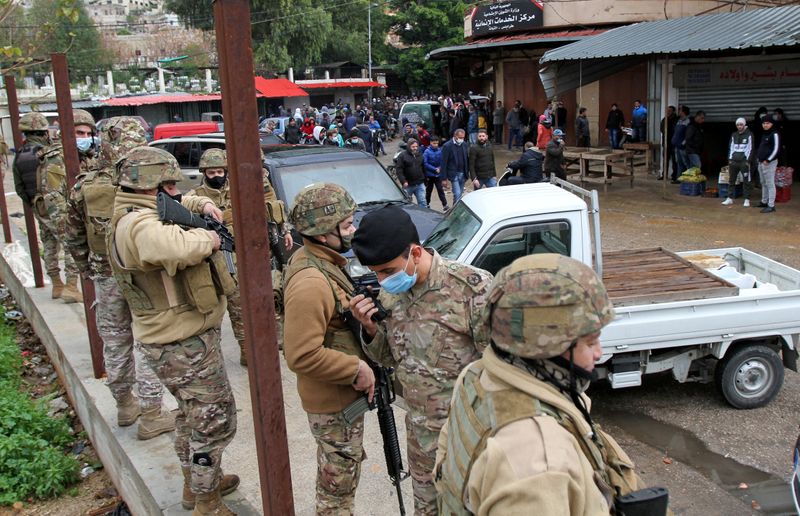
x,y
320,207
82,117
30,122
542,303
213,158
144,168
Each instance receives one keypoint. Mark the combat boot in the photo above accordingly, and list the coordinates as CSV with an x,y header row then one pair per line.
x,y
128,410
227,485
58,286
71,293
154,423
212,504
243,355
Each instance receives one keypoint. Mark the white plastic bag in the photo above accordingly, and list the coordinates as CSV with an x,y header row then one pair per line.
x,y
17,257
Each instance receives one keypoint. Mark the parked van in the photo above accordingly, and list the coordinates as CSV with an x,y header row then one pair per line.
x,y
183,129
427,111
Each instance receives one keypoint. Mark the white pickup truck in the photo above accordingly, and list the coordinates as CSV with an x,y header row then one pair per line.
x,y
675,311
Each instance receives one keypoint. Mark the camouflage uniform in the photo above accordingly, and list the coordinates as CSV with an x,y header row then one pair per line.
x,y
217,158
434,331
321,349
519,438
85,233
165,273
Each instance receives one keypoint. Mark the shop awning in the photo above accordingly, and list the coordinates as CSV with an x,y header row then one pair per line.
x,y
315,85
488,45
278,88
774,29
141,100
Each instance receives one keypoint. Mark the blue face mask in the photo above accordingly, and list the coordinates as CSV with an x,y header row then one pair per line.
x,y
84,144
400,281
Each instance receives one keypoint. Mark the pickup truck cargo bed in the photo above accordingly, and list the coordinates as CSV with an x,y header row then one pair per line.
x,y
646,276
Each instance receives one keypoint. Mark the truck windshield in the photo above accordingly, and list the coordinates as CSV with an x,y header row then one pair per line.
x,y
364,179
453,233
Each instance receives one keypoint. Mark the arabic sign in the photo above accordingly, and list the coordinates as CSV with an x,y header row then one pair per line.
x,y
737,74
502,17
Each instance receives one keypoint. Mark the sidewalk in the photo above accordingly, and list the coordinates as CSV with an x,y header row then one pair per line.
x,y
147,473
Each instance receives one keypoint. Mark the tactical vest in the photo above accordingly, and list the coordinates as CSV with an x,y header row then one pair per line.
x,y
27,163
339,339
477,415
154,292
98,201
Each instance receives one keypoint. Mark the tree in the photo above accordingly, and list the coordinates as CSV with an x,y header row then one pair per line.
x,y
425,25
198,15
75,35
349,39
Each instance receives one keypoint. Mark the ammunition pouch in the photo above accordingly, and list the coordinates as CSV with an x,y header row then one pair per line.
x,y
652,501
98,199
276,211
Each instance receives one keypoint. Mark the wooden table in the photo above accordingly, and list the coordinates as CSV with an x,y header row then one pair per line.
x,y
649,149
615,165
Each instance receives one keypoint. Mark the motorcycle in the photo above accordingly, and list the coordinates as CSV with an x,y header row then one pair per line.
x,y
393,128
378,137
392,169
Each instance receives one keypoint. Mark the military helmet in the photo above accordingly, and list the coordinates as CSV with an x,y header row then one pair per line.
x,y
144,168
542,303
126,133
320,207
213,158
30,122
82,117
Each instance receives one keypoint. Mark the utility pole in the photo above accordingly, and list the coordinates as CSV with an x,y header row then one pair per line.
x,y
369,37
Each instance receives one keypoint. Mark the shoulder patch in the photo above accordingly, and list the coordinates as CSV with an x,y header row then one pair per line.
x,y
469,275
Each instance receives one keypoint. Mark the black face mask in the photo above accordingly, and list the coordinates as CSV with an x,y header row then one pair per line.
x,y
216,182
176,198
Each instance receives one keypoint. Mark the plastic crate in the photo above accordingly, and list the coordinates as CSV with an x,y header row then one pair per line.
x,y
783,193
692,189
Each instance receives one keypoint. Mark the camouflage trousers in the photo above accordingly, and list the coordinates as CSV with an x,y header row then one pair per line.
x,y
50,235
124,363
421,451
339,455
194,372
235,314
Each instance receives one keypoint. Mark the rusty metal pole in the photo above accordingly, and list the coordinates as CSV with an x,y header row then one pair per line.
x,y
234,48
30,222
69,150
4,208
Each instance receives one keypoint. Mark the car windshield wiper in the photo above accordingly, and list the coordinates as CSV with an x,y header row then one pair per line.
x,y
445,246
436,234
381,201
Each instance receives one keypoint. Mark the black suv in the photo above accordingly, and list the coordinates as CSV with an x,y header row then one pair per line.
x,y
356,171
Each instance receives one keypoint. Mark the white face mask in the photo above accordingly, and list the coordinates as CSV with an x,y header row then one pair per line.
x,y
459,141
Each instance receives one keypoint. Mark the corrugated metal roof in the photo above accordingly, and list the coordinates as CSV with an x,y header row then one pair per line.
x,y
141,100
527,38
342,83
760,28
52,106
278,88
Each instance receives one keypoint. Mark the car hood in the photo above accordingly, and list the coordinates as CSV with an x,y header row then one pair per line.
x,y
423,218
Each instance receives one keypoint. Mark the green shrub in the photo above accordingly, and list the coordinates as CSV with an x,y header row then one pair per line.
x,y
33,463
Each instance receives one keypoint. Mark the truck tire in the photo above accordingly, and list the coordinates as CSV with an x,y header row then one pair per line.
x,y
750,376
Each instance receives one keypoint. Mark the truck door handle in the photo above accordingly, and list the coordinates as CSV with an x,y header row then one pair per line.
x,y
622,346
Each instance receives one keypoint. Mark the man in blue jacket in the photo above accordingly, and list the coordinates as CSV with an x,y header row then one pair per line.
x,y
639,122
455,163
432,161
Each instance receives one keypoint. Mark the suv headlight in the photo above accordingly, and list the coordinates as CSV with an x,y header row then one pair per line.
x,y
356,270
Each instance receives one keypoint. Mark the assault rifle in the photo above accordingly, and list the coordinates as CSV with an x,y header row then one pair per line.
x,y
170,210
382,400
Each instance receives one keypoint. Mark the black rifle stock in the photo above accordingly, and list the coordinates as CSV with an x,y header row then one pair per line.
x,y
170,210
382,400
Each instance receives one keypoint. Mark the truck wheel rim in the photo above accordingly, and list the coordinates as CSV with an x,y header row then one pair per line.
x,y
752,378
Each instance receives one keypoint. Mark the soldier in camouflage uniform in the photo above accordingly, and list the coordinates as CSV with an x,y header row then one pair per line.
x,y
89,210
436,328
40,180
215,186
519,438
175,284
318,344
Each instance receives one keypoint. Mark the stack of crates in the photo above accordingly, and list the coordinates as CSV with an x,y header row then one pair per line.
x,y
783,184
